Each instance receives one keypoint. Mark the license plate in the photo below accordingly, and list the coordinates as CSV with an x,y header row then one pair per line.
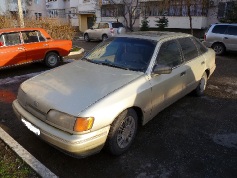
x,y
31,127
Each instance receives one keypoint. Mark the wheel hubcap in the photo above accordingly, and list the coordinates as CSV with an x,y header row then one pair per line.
x,y
218,49
126,132
52,60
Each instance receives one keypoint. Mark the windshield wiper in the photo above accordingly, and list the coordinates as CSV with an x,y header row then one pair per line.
x,y
111,64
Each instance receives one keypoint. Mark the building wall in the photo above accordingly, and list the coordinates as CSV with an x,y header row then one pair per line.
x,y
180,22
3,7
36,6
59,4
86,5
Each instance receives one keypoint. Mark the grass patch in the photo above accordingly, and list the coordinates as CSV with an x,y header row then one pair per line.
x,y
12,166
75,48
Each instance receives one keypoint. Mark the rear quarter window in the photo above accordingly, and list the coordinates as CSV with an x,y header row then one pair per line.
x,y
117,25
220,29
201,48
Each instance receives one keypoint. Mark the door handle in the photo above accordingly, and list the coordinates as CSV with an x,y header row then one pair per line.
x,y
226,37
20,48
182,74
203,62
45,44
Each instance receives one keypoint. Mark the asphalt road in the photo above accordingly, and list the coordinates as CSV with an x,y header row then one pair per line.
x,y
195,137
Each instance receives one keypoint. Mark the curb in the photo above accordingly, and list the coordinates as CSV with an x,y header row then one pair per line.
x,y
36,165
76,52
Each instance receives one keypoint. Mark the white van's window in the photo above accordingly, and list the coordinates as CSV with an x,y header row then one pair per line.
x,y
232,30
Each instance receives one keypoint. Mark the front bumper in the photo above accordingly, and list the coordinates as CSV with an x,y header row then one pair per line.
x,y
80,145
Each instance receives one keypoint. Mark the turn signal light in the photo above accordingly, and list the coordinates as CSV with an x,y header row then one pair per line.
x,y
83,124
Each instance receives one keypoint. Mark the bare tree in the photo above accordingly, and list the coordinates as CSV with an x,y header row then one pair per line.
x,y
195,8
20,14
128,9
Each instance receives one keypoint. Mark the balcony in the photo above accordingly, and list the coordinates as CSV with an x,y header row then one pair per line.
x,y
55,5
106,2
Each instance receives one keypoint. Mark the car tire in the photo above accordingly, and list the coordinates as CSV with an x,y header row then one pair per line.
x,y
86,37
122,132
199,91
51,59
219,48
104,37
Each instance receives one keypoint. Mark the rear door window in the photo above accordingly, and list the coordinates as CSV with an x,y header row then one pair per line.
x,y
232,30
103,25
219,29
188,47
32,36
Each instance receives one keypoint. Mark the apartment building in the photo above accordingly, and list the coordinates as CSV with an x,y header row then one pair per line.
x,y
11,6
83,13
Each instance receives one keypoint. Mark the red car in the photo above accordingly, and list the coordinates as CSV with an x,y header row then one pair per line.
x,y
24,45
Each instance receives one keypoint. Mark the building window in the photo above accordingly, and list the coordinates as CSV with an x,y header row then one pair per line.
x,y
53,13
37,1
224,8
38,16
175,8
112,10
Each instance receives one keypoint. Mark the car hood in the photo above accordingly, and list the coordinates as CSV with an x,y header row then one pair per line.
x,y
74,87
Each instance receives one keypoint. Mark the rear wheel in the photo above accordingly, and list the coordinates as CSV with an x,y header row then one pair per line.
x,y
122,132
86,37
218,48
199,91
104,37
51,59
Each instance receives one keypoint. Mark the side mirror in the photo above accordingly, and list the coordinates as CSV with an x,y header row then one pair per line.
x,y
161,69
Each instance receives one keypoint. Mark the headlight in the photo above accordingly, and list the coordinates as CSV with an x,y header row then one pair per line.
x,y
70,123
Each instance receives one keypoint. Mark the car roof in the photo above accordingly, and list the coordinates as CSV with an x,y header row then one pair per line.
x,y
154,35
4,30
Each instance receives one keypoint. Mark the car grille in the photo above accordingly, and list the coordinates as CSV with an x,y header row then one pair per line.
x,y
25,101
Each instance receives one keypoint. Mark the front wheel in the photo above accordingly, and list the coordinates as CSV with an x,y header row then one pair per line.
x,y
51,59
122,132
199,91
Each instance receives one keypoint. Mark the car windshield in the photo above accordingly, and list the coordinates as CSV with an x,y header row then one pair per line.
x,y
122,52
